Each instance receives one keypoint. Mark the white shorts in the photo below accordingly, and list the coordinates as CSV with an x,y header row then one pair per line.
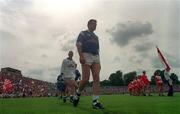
x,y
90,58
68,78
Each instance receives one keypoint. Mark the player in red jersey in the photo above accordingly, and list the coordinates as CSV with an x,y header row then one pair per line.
x,y
146,82
130,88
159,83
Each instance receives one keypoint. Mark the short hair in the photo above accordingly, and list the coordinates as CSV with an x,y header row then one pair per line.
x,y
70,51
90,21
144,71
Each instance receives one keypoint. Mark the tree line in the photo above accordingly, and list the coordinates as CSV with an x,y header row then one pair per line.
x,y
120,79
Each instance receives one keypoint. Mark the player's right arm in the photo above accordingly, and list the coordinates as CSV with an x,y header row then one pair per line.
x,y
79,47
63,67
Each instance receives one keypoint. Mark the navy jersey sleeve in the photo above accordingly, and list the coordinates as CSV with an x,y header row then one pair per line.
x,y
80,38
98,44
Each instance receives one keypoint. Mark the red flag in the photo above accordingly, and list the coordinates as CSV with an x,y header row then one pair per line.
x,y
163,60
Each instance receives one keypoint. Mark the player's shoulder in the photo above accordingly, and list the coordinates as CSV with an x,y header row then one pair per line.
x,y
66,60
84,32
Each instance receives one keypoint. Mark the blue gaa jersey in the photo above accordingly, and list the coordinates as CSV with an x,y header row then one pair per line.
x,y
89,42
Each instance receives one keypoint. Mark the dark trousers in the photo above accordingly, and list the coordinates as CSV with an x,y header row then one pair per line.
x,y
170,91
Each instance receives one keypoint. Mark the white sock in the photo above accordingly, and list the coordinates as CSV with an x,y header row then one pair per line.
x,y
95,97
78,91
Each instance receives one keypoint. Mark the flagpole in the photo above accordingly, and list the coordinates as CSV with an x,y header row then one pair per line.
x,y
163,59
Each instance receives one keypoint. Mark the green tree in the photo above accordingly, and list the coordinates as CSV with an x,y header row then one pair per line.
x,y
116,79
152,80
105,83
174,77
128,77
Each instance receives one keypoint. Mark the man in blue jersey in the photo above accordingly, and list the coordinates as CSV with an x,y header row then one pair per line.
x,y
61,85
77,75
88,49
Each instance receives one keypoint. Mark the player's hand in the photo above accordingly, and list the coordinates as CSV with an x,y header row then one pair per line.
x,y
81,59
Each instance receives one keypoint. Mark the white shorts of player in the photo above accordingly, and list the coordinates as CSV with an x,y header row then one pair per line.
x,y
90,58
68,78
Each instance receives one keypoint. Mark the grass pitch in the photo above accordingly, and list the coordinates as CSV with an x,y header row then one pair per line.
x,y
114,104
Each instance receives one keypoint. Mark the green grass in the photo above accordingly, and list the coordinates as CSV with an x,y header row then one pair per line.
x,y
114,104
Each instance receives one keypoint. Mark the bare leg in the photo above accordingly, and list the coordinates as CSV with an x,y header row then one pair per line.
x,y
95,68
85,77
72,86
82,84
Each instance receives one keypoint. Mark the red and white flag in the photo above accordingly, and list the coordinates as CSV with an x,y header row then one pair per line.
x,y
163,60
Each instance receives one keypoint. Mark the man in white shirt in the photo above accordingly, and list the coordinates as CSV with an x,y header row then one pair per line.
x,y
68,73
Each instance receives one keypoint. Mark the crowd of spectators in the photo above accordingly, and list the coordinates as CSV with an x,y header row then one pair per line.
x,y
24,86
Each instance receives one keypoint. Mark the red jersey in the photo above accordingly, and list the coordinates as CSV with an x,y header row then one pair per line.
x,y
144,79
